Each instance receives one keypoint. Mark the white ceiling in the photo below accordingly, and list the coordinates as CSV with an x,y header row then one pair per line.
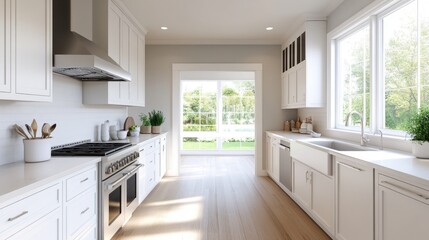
x,y
225,21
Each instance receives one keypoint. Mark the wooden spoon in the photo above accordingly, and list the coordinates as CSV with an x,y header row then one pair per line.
x,y
45,130
21,131
34,127
51,129
30,131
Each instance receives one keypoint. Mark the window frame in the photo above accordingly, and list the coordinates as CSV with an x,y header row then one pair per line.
x,y
372,16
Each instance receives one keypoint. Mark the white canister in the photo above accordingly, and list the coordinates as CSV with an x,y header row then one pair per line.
x,y
113,132
105,131
37,149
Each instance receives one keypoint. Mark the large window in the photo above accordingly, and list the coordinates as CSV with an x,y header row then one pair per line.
x,y
382,68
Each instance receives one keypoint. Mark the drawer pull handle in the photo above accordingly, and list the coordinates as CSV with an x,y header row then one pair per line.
x,y
18,216
351,167
84,180
84,211
405,190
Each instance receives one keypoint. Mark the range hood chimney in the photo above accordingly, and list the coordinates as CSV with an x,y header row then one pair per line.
x,y
76,56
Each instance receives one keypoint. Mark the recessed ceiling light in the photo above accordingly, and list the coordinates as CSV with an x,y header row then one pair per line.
x,y
269,28
164,28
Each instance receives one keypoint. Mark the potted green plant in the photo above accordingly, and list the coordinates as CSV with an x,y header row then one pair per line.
x,y
134,130
156,118
146,128
418,128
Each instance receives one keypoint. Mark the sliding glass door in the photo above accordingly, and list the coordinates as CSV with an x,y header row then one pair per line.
x,y
218,115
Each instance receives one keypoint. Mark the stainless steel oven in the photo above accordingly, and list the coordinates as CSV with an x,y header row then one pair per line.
x,y
120,199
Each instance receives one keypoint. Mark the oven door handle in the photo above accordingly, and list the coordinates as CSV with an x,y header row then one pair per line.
x,y
113,185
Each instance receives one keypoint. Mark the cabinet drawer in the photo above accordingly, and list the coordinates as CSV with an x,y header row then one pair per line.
x,y
89,234
404,188
80,211
147,148
79,183
31,208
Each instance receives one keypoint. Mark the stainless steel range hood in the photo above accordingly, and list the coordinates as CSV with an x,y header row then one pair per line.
x,y
78,57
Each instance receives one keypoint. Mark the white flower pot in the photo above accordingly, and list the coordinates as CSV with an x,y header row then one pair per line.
x,y
420,149
37,150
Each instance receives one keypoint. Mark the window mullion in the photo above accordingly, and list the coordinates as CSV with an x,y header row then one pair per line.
x,y
376,93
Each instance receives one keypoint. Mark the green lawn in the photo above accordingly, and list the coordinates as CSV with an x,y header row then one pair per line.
x,y
212,146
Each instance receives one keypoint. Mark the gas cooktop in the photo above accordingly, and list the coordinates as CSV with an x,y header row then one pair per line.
x,y
90,149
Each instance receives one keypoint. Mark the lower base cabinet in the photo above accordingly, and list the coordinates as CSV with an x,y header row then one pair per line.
x,y
315,192
402,210
354,201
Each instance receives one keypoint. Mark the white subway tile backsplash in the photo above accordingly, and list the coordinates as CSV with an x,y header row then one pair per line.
x,y
75,121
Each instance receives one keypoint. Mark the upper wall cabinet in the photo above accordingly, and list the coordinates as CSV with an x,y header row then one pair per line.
x,y
126,46
303,67
26,50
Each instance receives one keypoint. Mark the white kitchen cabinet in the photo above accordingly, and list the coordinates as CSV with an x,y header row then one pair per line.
x,y
163,160
26,52
46,228
302,183
354,200
269,155
126,46
80,203
402,209
315,193
275,149
304,66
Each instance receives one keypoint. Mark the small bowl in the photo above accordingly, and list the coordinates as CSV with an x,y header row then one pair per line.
x,y
122,134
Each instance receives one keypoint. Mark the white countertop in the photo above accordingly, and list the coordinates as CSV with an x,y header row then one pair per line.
x,y
20,177
388,160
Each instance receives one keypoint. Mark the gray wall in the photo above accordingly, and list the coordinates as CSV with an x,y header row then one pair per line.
x,y
343,12
159,60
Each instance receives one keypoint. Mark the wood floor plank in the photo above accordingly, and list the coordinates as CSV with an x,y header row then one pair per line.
x,y
219,198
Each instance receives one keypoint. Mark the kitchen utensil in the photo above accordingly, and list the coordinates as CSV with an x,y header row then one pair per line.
x,y
45,130
51,129
21,131
30,130
34,127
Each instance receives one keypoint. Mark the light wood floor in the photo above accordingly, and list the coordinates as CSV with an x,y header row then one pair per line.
x,y
219,198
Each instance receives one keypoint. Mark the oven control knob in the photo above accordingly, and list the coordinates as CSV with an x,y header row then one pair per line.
x,y
130,158
136,154
116,165
109,170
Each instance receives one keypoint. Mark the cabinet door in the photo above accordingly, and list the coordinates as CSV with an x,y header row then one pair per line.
x,y
276,160
142,177
163,156
133,67
354,198
114,34
302,183
46,228
124,87
291,75
400,216
301,84
269,155
141,71
32,48
5,85
284,91
323,199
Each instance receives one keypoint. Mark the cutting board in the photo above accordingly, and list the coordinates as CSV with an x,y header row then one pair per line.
x,y
128,123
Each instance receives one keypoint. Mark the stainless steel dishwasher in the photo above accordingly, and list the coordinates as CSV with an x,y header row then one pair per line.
x,y
285,165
